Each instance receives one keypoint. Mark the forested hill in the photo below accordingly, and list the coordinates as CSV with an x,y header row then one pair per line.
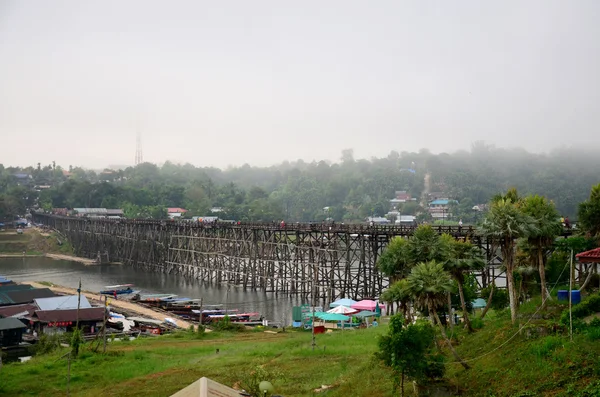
x,y
299,191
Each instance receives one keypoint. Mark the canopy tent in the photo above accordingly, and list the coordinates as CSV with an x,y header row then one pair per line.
x,y
365,313
317,314
478,303
333,317
329,316
342,310
343,302
366,304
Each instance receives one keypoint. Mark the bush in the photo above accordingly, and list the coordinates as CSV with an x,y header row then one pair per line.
x,y
499,299
226,325
477,323
47,343
250,382
589,306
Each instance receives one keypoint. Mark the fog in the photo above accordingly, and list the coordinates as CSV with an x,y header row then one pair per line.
x,y
262,82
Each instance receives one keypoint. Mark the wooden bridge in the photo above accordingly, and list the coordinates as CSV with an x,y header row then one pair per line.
x,y
336,259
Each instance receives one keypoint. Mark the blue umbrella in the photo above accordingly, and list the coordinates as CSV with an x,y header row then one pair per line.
x,y
343,302
478,303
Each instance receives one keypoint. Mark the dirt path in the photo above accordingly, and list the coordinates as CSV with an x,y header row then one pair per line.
x,y
130,306
85,261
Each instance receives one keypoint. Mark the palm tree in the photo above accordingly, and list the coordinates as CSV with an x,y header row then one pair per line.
x,y
547,228
427,285
396,294
505,222
394,261
463,257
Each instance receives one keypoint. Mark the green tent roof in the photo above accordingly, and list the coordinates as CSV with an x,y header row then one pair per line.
x,y
365,313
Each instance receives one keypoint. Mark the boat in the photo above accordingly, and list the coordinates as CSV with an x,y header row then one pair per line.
x,y
121,289
234,318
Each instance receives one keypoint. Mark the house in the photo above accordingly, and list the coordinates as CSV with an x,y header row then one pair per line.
x,y
215,210
11,331
440,208
406,220
62,303
25,296
378,220
175,212
98,212
401,197
18,310
60,321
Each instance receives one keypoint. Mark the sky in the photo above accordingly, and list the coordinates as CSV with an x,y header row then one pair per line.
x,y
226,83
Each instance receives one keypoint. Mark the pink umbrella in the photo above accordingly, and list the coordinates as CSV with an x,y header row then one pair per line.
x,y
367,304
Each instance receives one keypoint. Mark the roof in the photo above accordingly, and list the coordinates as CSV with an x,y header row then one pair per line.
x,y
8,311
589,256
62,303
114,211
27,296
90,210
175,210
89,314
14,287
439,202
10,323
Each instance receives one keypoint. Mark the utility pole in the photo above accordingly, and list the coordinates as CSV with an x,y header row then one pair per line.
x,y
104,325
314,303
571,297
78,303
200,319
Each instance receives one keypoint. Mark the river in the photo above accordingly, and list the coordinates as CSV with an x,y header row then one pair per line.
x,y
94,278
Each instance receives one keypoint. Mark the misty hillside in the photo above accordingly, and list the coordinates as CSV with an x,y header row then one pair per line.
x,y
298,191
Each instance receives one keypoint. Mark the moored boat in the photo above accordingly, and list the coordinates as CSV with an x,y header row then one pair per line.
x,y
121,289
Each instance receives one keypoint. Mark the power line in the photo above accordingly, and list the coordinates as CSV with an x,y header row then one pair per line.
x,y
518,331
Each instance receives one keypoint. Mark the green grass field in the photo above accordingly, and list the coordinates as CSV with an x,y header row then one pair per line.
x,y
537,359
161,366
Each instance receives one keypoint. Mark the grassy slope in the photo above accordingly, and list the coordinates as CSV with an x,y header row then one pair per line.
x,y
539,361
33,242
161,366
536,362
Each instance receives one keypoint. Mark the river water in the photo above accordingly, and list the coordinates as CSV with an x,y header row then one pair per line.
x,y
94,278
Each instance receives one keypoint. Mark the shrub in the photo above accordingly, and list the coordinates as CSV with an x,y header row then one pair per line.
x,y
499,299
589,306
47,343
250,381
226,325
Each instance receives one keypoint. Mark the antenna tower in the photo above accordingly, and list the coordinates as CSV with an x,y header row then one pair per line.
x,y
139,157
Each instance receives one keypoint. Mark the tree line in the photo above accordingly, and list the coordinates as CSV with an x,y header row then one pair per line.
x,y
349,190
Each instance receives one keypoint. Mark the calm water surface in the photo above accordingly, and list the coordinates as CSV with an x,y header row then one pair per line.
x,y
94,278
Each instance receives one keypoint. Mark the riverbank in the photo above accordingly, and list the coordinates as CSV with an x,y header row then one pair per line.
x,y
34,242
116,303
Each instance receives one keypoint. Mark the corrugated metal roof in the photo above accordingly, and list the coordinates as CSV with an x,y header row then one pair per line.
x,y
90,314
8,311
589,256
10,323
16,297
14,287
62,303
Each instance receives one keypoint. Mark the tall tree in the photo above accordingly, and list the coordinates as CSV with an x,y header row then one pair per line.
x,y
540,240
428,284
589,213
463,257
409,351
505,222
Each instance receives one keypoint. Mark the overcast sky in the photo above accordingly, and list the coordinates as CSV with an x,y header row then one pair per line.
x,y
218,83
